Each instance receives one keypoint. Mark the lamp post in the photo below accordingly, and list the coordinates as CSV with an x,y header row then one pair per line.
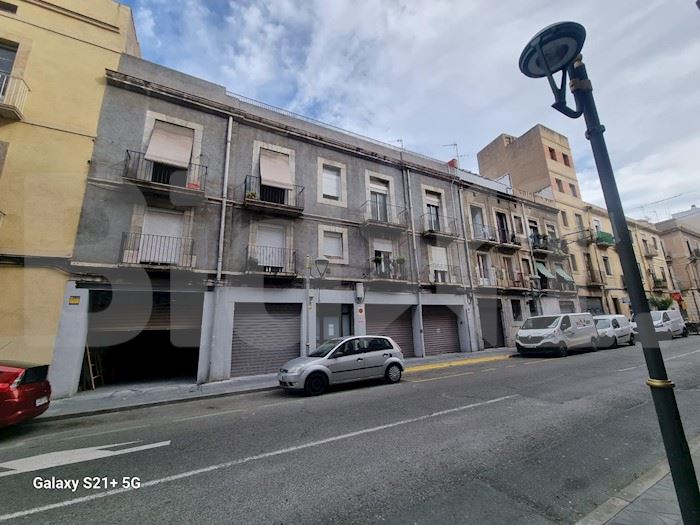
x,y
556,49
321,264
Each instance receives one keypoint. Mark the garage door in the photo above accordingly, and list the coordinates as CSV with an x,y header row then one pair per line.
x,y
392,321
265,336
440,330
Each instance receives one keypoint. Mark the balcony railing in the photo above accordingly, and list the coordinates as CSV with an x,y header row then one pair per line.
x,y
557,284
13,96
650,252
482,232
443,274
595,278
604,239
390,269
485,279
137,167
514,280
271,260
659,283
384,215
439,225
159,250
257,192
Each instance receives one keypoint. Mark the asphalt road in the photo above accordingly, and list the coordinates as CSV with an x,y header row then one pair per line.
x,y
525,440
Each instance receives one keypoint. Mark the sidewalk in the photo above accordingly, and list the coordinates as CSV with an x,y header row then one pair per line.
x,y
650,500
126,397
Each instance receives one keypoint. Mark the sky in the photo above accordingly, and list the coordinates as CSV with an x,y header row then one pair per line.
x,y
437,72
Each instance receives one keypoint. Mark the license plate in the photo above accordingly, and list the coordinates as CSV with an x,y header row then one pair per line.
x,y
42,401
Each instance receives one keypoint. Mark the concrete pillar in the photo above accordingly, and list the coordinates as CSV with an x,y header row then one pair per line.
x,y
478,335
308,312
463,328
64,372
217,336
418,342
360,319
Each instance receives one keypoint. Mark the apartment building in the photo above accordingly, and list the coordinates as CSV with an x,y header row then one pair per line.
x,y
520,264
53,54
680,239
540,161
205,215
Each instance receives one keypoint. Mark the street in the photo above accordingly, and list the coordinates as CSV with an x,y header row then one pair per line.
x,y
522,440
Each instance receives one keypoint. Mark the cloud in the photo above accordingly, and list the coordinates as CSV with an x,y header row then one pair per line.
x,y
436,72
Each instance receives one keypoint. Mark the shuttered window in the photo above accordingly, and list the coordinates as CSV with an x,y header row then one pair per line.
x,y
170,144
331,182
333,244
275,169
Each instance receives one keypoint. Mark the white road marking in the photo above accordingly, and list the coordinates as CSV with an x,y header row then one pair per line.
x,y
236,462
665,359
78,436
68,457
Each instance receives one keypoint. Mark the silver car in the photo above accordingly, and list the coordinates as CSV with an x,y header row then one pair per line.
x,y
342,360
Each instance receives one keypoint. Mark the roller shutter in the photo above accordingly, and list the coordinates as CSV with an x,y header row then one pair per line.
x,y
392,321
265,336
440,334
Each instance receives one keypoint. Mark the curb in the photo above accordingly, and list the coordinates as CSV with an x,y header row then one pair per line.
x,y
626,496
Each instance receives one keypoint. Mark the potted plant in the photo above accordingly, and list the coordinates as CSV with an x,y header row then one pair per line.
x,y
251,195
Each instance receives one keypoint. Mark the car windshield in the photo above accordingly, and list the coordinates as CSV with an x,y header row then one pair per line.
x,y
324,348
602,323
656,315
538,323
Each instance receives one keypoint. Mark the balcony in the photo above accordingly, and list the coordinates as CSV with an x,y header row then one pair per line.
x,y
184,185
157,250
650,252
485,279
694,255
507,241
439,227
595,278
514,281
659,283
483,236
273,200
445,277
541,245
381,220
558,285
603,239
271,261
389,273
13,96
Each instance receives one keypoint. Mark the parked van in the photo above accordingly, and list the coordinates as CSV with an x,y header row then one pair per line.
x,y
613,330
557,333
669,323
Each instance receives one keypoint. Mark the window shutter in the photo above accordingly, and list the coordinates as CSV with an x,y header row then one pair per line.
x,y
274,169
333,244
170,144
331,182
438,256
381,245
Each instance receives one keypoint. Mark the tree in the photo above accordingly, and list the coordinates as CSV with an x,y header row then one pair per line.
x,y
660,302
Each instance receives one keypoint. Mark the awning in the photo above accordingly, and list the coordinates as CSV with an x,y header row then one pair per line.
x,y
274,169
170,144
544,271
561,273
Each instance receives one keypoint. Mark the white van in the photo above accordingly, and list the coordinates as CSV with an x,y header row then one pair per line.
x,y
669,323
557,333
613,330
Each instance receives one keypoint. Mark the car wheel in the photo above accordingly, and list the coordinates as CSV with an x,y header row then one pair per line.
x,y
393,374
594,344
616,343
632,341
562,351
316,384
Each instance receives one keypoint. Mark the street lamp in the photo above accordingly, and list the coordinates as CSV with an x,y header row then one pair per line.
x,y
556,49
321,264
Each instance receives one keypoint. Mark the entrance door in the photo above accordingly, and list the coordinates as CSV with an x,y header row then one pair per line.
x,y
491,316
161,237
271,247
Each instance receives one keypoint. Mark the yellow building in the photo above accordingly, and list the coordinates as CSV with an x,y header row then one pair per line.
x,y
53,55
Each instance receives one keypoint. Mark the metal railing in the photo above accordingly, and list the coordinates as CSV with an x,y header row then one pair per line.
x,y
439,224
272,260
138,167
375,212
392,269
257,190
13,91
145,248
659,282
489,279
443,274
540,242
514,280
483,232
650,252
594,277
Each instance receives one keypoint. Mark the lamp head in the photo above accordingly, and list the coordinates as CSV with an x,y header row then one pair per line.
x,y
552,49
321,265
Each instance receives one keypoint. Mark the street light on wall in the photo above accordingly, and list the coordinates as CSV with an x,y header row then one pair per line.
x,y
556,50
321,264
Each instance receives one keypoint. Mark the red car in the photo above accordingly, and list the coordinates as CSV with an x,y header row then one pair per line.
x,y
24,392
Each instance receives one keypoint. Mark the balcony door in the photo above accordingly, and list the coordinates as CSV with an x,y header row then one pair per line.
x,y
271,247
170,153
379,200
432,201
502,224
477,216
438,257
161,237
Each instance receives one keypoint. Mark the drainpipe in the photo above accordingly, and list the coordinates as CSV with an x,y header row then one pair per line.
x,y
419,300
533,268
466,253
224,194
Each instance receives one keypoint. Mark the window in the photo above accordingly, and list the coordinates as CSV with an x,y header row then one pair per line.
x,y
169,152
574,264
331,183
552,154
606,265
534,228
9,8
518,223
517,309
663,274
527,269
383,250
655,243
379,343
8,53
690,250
579,221
564,219
560,186
532,306
438,261
482,263
379,199
566,160
551,231
161,240
433,201
333,245
572,187
615,324
597,225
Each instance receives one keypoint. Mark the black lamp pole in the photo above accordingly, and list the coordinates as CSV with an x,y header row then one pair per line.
x,y
556,48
